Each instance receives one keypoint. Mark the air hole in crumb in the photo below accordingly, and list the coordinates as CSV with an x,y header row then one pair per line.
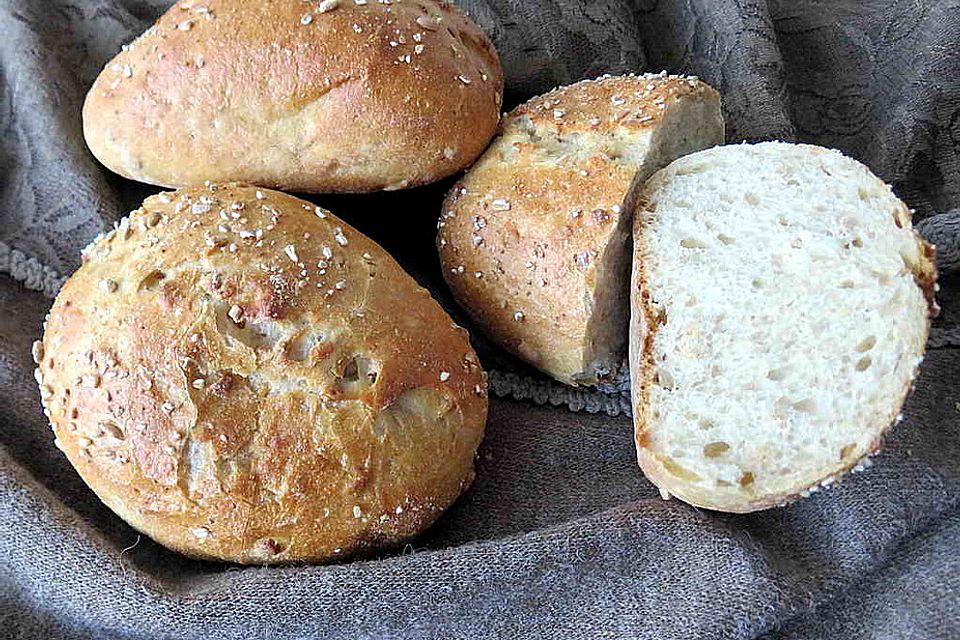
x,y
777,374
847,450
151,281
897,221
107,428
723,483
756,283
706,424
806,405
664,379
692,243
866,344
864,363
846,284
725,239
751,198
857,242
746,479
715,449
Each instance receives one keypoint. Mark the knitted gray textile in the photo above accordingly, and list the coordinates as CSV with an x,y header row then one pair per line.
x,y
560,535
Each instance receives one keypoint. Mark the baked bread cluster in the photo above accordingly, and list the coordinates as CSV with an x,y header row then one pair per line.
x,y
237,373
780,299
242,376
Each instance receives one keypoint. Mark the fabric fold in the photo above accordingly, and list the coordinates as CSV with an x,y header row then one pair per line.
x,y
560,534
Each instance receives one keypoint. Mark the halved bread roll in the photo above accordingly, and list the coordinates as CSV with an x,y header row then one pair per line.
x,y
534,240
780,308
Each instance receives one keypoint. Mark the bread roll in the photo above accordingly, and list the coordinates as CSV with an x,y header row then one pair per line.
x,y
329,96
781,303
534,240
242,376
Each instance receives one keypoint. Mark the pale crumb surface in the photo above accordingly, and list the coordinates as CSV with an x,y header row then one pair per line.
x,y
791,323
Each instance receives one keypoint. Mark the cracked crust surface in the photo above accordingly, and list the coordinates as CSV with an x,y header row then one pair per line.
x,y
310,97
242,376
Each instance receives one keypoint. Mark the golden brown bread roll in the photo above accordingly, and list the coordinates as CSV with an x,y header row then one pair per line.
x,y
242,376
534,240
331,96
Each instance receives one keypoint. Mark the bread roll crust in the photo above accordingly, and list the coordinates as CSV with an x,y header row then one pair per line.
x,y
647,319
312,97
244,377
533,240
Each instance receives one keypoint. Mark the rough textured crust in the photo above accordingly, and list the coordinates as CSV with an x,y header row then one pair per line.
x,y
333,96
644,322
243,377
534,239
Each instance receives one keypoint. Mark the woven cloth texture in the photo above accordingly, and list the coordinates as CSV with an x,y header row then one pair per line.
x,y
560,536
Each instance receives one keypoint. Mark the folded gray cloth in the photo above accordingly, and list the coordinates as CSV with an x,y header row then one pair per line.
x,y
560,536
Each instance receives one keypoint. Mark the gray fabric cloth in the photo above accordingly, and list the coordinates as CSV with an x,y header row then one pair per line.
x,y
560,534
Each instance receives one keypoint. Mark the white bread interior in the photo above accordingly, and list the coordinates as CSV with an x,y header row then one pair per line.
x,y
781,304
